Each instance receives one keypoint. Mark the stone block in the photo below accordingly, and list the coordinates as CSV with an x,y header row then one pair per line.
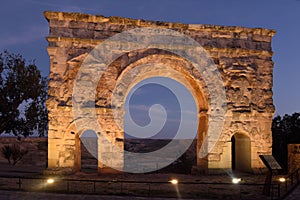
x,y
59,23
77,25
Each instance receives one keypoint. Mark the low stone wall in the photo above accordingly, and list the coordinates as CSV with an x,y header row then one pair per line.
x,y
37,150
293,157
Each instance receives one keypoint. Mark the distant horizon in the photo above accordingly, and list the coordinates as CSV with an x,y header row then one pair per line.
x,y
31,136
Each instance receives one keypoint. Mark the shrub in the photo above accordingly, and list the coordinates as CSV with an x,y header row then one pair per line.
x,y
6,153
13,153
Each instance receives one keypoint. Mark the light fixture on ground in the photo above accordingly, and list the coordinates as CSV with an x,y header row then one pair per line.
x,y
174,181
282,179
236,180
50,180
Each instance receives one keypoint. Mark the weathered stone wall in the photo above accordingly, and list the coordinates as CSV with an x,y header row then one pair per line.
x,y
293,157
243,55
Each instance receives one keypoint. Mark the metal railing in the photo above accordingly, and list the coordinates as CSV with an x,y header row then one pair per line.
x,y
137,188
282,189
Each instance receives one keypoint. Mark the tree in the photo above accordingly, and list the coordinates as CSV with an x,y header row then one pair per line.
x,y
23,94
285,130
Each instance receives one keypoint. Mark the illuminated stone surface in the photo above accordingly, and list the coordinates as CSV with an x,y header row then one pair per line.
x,y
243,56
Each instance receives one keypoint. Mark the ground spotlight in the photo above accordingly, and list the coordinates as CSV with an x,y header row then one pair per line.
x,y
282,179
50,181
174,181
236,180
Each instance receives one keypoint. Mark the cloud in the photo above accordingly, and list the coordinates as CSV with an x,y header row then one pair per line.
x,y
155,110
26,36
62,7
138,91
190,112
139,107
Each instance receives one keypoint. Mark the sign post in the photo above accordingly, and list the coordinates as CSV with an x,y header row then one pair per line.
x,y
273,166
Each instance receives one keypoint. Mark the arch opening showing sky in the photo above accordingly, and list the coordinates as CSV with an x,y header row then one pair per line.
x,y
158,106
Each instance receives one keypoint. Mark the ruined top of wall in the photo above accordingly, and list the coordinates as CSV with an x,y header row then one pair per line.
x,y
70,25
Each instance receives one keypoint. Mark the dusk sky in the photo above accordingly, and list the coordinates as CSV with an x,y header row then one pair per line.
x,y
24,28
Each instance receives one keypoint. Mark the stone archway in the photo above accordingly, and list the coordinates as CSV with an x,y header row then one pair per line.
x,y
243,57
241,153
78,156
179,70
88,147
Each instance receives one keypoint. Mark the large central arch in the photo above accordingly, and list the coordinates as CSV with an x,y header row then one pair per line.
x,y
179,70
243,57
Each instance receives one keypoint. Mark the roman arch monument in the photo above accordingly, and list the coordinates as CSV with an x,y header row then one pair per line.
x,y
243,59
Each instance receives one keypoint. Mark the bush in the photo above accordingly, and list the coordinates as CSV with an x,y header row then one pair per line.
x,y
13,153
6,153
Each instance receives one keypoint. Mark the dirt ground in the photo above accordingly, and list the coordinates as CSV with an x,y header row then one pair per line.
x,y
147,185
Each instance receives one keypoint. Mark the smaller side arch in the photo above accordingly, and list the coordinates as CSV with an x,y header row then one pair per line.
x,y
88,147
241,152
81,145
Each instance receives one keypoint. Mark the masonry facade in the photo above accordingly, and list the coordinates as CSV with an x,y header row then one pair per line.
x,y
242,55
